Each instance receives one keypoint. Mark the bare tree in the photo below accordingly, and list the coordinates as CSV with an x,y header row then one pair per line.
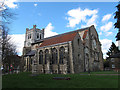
x,y
8,49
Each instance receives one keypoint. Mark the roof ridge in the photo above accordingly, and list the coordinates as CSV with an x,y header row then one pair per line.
x,y
67,33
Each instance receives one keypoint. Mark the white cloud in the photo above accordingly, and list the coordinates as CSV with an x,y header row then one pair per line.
x,y
75,16
106,43
109,33
91,21
48,31
100,33
10,3
18,41
107,26
106,17
35,5
116,43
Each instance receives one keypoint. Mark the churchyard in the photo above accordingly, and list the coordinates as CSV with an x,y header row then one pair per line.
x,y
104,79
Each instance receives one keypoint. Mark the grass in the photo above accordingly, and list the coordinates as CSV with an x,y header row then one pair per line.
x,y
24,80
101,72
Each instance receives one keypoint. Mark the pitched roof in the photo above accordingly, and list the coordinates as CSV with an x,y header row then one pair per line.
x,y
58,39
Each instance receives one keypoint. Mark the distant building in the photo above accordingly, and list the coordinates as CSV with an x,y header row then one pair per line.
x,y
72,52
115,59
114,64
17,63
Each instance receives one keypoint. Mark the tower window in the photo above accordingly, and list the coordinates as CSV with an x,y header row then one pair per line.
x,y
37,35
30,35
40,36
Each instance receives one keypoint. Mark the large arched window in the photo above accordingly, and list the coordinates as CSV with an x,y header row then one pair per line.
x,y
86,62
96,56
41,57
54,56
87,58
94,44
46,55
62,55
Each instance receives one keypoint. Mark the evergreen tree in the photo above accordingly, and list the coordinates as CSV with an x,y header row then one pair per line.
x,y
113,50
117,24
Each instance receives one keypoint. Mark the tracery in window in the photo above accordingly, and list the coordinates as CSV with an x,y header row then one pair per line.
x,y
54,56
41,57
62,55
46,55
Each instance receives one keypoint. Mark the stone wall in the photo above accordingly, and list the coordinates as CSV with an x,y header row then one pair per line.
x,y
66,67
96,52
78,56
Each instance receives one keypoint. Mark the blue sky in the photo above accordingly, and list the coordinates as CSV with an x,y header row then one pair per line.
x,y
61,17
43,13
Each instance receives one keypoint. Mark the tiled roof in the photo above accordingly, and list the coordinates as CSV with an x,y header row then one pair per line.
x,y
58,39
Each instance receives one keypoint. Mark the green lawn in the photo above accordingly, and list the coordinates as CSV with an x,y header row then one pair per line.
x,y
24,80
101,72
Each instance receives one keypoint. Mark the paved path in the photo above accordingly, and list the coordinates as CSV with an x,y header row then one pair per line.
x,y
87,74
101,74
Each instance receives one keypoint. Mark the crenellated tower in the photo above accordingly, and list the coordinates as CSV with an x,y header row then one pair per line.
x,y
33,35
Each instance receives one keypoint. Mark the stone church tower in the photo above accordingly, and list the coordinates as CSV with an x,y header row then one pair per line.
x,y
32,36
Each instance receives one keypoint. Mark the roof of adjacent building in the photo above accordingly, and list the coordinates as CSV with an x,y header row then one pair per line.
x,y
31,53
61,38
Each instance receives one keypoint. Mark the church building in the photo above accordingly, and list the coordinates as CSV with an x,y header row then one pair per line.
x,y
72,52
